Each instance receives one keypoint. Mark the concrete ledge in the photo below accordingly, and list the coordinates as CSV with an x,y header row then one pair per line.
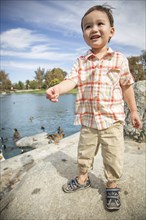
x,y
43,172
13,169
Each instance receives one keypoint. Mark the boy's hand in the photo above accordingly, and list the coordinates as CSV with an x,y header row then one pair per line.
x,y
135,119
52,94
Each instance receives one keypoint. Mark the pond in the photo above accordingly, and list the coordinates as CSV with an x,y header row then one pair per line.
x,y
29,113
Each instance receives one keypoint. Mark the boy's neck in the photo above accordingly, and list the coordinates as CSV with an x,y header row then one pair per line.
x,y
100,53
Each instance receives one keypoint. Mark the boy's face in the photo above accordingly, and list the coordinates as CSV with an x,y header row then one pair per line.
x,y
97,30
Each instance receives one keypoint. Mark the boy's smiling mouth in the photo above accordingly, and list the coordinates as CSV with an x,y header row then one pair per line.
x,y
94,37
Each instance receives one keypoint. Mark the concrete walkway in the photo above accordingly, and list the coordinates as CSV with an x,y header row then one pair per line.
x,y
36,177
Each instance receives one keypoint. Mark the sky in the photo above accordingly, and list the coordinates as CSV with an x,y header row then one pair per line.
x,y
47,33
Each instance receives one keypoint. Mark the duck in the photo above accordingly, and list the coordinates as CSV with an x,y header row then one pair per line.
x,y
42,128
3,140
22,150
56,137
3,128
16,134
4,146
31,118
1,156
59,130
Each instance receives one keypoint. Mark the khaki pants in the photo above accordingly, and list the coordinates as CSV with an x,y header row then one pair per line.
x,y
112,148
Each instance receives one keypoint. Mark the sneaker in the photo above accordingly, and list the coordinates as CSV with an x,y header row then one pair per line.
x,y
112,199
73,185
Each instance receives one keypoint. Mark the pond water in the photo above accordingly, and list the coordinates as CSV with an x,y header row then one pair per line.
x,y
29,112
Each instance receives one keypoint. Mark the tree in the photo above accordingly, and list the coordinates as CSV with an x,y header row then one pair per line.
x,y
137,66
54,82
143,59
20,85
33,84
39,77
5,83
54,74
27,84
44,86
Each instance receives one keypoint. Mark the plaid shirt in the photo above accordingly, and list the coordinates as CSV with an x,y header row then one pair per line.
x,y
99,101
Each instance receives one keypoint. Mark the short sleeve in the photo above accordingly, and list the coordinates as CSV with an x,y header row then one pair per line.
x,y
73,75
126,76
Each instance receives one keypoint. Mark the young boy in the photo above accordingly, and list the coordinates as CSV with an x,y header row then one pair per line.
x,y
102,77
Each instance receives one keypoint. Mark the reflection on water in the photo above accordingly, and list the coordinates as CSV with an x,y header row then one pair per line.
x,y
32,114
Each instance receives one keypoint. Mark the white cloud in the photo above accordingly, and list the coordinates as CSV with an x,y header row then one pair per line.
x,y
64,16
130,24
40,55
26,44
20,38
28,65
49,15
48,32
20,65
21,71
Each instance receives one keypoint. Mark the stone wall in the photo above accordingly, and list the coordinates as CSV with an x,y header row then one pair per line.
x,y
140,96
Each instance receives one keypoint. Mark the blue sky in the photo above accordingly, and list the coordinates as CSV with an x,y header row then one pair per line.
x,y
47,34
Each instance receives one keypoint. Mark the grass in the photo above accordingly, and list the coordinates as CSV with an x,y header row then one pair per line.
x,y
39,91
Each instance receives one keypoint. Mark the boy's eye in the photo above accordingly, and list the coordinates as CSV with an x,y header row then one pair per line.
x,y
100,23
87,27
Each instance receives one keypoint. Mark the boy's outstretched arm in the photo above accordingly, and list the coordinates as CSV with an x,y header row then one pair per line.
x,y
129,97
54,92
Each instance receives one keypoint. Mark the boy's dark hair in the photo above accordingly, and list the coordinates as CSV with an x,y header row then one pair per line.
x,y
105,8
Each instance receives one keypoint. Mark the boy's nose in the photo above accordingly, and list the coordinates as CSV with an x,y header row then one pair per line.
x,y
95,28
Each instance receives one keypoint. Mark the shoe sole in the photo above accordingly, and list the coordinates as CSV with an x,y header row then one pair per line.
x,y
112,208
72,191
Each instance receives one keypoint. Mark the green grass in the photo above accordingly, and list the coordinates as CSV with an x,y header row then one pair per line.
x,y
38,91
73,91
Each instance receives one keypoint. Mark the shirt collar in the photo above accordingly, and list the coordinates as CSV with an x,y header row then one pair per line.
x,y
90,53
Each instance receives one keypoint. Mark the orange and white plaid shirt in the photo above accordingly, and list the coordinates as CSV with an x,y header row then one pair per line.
x,y
99,101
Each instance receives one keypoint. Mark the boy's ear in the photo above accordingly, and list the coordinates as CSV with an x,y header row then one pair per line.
x,y
112,31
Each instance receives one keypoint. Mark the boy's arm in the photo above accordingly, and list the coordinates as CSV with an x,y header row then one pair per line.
x,y
65,86
129,97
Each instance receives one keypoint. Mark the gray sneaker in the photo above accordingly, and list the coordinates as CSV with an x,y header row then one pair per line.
x,y
112,199
73,185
